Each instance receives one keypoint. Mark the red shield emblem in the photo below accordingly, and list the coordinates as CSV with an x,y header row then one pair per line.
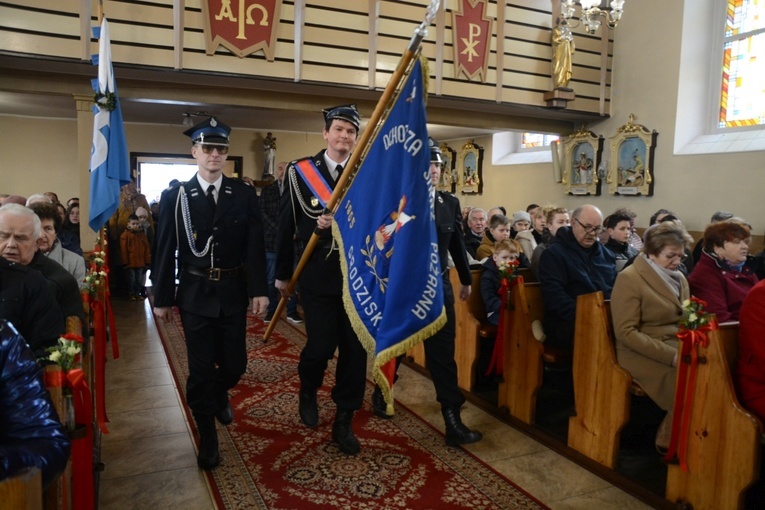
x,y
242,26
472,36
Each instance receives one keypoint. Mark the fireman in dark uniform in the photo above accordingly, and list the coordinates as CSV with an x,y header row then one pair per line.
x,y
214,223
320,284
439,348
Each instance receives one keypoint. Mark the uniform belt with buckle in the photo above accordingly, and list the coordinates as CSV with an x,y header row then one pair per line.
x,y
215,274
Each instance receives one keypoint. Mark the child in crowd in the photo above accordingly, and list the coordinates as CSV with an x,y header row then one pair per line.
x,y
136,256
505,251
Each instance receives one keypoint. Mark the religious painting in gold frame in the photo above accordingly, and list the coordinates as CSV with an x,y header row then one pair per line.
x,y
449,176
582,152
469,166
631,165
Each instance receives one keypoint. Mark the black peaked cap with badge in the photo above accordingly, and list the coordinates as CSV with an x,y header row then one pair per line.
x,y
347,112
211,131
435,151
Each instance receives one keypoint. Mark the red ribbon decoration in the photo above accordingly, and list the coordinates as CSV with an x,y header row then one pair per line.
x,y
691,340
82,448
99,356
496,364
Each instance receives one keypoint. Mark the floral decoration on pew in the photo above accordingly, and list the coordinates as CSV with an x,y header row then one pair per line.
x,y
508,270
694,325
66,353
95,279
694,315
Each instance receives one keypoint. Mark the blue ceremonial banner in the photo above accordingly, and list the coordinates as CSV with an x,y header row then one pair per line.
x,y
386,231
109,165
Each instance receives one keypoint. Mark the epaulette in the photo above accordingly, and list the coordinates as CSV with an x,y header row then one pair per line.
x,y
176,184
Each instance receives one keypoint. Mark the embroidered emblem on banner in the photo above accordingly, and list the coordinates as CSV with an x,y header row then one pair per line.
x,y
315,182
242,26
472,38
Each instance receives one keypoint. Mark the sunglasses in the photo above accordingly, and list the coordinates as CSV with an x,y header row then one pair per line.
x,y
208,148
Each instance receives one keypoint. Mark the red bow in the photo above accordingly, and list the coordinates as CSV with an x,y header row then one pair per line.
x,y
691,340
496,364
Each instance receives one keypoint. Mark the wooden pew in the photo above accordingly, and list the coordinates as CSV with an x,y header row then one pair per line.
x,y
601,386
523,353
724,439
23,491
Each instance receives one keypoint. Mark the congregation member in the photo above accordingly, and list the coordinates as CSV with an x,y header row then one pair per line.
x,y
575,264
270,197
136,256
20,231
494,211
327,325
619,230
50,245
31,434
499,229
439,348
646,306
71,226
214,224
521,223
748,375
505,251
717,217
555,218
724,275
28,304
476,228
529,239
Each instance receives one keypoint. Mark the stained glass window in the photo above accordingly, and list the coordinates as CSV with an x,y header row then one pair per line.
x,y
742,98
535,140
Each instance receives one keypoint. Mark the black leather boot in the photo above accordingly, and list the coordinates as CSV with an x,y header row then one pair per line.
x,y
342,433
225,414
308,408
456,431
379,406
208,457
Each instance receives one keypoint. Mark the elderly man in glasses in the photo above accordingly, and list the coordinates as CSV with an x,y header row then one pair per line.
x,y
575,264
214,223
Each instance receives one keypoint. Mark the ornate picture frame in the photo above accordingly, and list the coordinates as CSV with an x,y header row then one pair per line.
x,y
631,165
470,168
449,176
582,152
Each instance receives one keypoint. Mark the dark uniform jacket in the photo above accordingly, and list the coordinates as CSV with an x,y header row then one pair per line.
x,y
28,303
450,239
298,211
237,228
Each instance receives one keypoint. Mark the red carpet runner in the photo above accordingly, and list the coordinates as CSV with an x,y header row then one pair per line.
x,y
271,461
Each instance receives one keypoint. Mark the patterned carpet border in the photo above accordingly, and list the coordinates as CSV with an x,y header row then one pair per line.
x,y
243,481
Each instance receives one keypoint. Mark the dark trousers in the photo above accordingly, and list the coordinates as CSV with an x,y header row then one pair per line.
x,y
135,277
328,328
217,353
439,356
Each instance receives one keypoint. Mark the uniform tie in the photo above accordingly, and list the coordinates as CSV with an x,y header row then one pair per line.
x,y
211,196
338,171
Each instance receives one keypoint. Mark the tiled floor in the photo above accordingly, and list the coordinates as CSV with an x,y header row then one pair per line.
x,y
149,455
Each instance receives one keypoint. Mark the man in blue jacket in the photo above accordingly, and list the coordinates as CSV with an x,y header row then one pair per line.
x,y
575,264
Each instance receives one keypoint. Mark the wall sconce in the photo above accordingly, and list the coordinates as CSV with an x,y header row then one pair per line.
x,y
591,12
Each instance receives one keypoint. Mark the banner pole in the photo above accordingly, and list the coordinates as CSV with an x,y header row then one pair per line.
x,y
337,194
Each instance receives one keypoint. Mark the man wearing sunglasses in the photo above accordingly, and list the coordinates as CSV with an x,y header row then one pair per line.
x,y
215,225
575,264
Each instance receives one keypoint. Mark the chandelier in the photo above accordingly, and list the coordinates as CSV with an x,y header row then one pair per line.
x,y
591,13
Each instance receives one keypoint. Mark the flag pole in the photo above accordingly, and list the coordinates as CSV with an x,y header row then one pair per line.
x,y
382,105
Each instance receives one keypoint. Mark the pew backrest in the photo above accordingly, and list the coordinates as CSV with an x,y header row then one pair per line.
x,y
723,440
601,386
